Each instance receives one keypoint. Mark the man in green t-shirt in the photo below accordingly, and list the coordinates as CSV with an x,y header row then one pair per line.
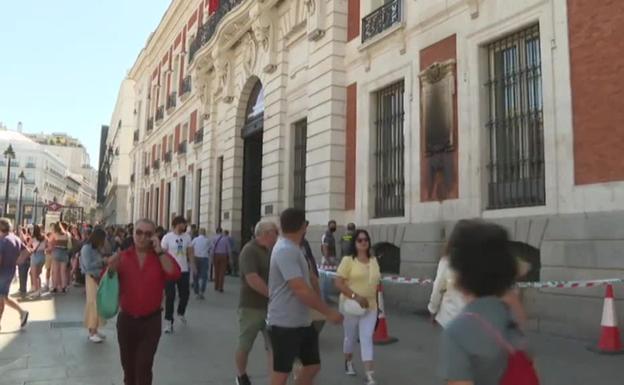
x,y
254,264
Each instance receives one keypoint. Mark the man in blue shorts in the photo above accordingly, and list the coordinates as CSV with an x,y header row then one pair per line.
x,y
12,253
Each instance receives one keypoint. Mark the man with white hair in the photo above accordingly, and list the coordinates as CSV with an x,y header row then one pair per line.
x,y
12,252
254,294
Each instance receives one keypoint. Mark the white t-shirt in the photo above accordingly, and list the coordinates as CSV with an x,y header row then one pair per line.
x,y
201,246
177,245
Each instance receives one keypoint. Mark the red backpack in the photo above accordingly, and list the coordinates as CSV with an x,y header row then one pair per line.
x,y
520,369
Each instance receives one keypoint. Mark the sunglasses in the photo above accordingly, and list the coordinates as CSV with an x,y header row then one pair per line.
x,y
362,240
141,233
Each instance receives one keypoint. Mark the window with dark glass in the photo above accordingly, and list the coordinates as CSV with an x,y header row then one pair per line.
x,y
301,138
389,178
515,125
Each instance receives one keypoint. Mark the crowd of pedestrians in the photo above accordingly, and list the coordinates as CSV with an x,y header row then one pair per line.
x,y
473,297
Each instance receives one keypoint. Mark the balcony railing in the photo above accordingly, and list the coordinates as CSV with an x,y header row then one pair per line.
x,y
160,113
172,100
146,171
150,124
186,86
207,30
31,165
199,136
381,19
29,181
182,147
135,137
156,164
167,157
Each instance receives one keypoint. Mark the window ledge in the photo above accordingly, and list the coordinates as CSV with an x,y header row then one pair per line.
x,y
381,36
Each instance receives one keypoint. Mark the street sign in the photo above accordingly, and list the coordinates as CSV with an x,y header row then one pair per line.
x,y
55,206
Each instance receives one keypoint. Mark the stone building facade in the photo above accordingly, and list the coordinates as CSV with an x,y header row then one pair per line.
x,y
402,116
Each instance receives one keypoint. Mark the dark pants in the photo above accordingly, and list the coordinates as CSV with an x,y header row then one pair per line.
x,y
184,290
201,277
138,341
22,272
234,264
220,265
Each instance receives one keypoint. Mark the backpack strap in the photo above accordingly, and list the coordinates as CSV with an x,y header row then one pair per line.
x,y
491,330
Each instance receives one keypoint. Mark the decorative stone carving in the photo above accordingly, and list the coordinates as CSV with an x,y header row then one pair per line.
x,y
316,20
250,55
264,32
261,27
310,6
223,70
473,7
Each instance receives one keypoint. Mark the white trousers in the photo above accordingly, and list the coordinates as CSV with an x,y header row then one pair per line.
x,y
366,326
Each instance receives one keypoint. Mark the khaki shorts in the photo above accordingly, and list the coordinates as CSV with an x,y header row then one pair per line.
x,y
251,322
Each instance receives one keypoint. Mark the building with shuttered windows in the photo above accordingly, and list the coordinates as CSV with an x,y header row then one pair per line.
x,y
402,116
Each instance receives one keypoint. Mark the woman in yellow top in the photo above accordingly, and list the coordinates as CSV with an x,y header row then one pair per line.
x,y
357,279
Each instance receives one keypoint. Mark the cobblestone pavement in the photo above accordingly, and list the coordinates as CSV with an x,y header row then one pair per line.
x,y
54,350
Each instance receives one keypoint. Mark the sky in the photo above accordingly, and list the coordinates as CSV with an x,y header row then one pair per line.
x,y
62,62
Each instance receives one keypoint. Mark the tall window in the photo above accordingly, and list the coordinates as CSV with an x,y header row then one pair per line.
x,y
182,196
301,138
515,125
219,191
198,196
388,147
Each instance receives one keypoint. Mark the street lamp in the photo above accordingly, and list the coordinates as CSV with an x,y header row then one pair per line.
x,y
8,154
35,191
19,199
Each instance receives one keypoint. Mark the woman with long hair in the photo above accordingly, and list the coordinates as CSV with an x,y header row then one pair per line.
x,y
357,278
60,243
92,263
37,260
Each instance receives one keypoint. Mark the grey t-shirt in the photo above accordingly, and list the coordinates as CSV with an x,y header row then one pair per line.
x,y
285,309
470,352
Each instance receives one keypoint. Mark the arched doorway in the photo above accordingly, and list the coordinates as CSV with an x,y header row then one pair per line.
x,y
252,161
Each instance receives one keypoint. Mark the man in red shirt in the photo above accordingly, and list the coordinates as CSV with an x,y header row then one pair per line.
x,y
143,271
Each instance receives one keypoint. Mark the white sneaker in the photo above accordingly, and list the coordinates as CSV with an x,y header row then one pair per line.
x,y
102,336
169,328
349,370
369,379
96,339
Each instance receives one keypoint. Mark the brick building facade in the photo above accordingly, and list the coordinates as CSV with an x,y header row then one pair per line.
x,y
402,116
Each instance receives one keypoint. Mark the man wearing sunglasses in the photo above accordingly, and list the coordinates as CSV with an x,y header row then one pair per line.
x,y
143,270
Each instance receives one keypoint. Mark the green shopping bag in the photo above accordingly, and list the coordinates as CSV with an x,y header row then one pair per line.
x,y
108,295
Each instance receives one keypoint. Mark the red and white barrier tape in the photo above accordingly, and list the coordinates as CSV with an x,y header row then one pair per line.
x,y
523,285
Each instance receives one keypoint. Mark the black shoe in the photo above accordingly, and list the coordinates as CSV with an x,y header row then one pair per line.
x,y
243,380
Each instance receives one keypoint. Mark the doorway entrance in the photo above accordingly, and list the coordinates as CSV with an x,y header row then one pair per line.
x,y
252,162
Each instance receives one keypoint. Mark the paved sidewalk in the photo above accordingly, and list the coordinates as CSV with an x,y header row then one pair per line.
x,y
202,352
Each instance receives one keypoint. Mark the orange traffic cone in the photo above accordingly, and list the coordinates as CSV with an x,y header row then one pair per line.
x,y
610,342
381,336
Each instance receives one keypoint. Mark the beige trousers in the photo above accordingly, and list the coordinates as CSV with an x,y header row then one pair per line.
x,y
91,318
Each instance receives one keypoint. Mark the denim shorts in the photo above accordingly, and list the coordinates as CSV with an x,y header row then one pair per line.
x,y
37,259
60,255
